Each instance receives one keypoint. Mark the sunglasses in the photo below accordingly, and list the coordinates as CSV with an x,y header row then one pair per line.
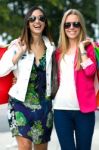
x,y
40,18
67,25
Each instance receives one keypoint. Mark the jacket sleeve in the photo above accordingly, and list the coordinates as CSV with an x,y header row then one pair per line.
x,y
6,64
54,75
90,65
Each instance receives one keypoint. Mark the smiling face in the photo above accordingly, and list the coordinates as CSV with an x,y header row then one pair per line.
x,y
37,22
72,27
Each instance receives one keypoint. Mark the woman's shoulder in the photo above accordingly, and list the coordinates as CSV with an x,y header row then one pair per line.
x,y
13,45
48,42
56,53
13,42
90,47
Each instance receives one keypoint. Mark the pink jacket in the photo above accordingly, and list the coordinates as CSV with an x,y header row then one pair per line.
x,y
84,82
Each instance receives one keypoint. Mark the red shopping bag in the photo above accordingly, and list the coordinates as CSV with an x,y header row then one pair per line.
x,y
5,82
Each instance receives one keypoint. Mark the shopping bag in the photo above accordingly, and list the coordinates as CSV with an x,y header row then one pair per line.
x,y
5,82
96,48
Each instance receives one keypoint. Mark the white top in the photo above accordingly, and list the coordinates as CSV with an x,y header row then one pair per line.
x,y
66,98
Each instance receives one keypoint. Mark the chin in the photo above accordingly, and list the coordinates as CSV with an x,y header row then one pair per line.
x,y
72,38
37,32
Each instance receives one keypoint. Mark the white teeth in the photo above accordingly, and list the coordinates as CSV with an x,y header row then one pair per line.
x,y
72,32
37,26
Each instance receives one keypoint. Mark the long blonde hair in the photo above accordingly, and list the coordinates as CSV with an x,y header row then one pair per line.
x,y
63,42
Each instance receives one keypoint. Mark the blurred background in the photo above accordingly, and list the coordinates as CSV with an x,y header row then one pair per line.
x,y
12,13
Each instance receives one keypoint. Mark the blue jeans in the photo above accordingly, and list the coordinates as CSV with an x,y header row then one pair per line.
x,y
74,129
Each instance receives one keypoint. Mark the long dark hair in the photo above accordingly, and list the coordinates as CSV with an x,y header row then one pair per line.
x,y
26,33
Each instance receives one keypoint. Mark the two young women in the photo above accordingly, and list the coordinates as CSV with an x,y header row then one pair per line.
x,y
30,106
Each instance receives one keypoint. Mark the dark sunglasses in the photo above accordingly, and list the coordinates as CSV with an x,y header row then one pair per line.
x,y
40,18
67,25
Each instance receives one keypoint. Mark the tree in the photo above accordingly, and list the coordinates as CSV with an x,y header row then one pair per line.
x,y
12,13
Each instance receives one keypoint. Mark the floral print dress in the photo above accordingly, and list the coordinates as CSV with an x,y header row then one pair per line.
x,y
33,119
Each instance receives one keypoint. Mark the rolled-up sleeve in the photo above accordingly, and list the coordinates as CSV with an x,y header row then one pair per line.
x,y
87,63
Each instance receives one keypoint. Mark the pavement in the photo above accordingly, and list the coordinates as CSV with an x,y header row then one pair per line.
x,y
6,138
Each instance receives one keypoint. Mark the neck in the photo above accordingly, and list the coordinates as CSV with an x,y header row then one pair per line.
x,y
72,47
37,40
73,43
38,44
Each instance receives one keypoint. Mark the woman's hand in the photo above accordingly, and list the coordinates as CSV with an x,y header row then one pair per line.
x,y
14,80
21,50
83,44
21,45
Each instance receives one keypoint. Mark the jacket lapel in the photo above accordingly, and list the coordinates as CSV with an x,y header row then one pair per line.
x,y
49,51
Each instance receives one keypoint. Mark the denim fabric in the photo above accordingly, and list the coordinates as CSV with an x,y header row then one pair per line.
x,y
74,129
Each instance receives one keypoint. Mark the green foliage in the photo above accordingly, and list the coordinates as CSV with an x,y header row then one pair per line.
x,y
12,13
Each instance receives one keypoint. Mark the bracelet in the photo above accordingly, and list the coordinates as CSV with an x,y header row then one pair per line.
x,y
84,53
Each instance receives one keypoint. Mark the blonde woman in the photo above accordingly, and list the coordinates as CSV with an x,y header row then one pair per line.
x,y
74,102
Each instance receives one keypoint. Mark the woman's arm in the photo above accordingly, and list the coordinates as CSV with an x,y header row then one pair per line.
x,y
88,62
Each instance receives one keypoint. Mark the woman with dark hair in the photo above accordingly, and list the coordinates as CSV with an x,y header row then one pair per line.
x,y
30,58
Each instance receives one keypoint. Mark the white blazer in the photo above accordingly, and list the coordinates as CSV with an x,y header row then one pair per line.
x,y
22,69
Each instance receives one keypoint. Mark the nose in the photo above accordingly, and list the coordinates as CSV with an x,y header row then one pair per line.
x,y
71,26
37,20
